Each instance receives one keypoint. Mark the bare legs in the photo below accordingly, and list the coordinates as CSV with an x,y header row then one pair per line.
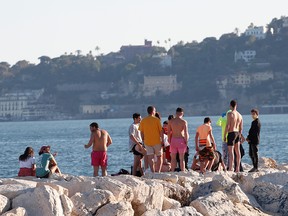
x,y
231,150
103,169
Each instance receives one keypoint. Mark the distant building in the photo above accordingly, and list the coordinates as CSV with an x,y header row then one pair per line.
x,y
94,109
241,79
262,76
164,84
258,32
23,105
130,52
246,55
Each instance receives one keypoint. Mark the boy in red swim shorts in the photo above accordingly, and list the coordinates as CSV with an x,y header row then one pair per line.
x,y
100,139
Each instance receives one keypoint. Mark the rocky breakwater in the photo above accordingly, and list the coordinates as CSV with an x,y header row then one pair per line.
x,y
216,193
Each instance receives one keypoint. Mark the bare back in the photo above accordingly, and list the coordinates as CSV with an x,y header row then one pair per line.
x,y
100,139
178,128
234,122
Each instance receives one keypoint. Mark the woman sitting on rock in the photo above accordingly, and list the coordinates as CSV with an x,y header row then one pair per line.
x,y
27,163
46,163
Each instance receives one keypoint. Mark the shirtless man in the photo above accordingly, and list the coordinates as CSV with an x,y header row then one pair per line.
x,y
178,138
100,139
234,129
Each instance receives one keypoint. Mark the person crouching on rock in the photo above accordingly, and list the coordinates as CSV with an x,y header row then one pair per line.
x,y
27,163
46,163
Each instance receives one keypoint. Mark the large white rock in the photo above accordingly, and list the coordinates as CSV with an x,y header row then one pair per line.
x,y
16,212
121,191
61,190
145,196
121,208
13,190
170,204
217,203
4,204
188,210
272,197
89,203
170,177
43,201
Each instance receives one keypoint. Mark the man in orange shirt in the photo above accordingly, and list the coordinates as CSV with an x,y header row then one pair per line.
x,y
151,133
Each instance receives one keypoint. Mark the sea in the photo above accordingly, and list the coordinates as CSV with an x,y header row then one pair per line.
x,y
68,137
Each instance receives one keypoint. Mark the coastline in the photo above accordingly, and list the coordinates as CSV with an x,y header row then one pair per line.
x,y
215,193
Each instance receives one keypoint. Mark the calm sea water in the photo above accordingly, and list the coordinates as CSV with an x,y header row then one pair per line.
x,y
68,139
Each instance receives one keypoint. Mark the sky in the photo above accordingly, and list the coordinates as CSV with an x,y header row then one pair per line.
x,y
33,28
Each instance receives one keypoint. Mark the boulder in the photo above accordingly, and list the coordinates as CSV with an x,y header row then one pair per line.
x,y
88,203
4,204
16,212
122,208
170,204
43,200
188,210
13,190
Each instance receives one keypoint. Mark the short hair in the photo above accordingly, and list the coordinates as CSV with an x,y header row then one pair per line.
x,y
150,109
179,109
136,115
206,120
233,103
158,115
171,117
165,122
94,124
254,110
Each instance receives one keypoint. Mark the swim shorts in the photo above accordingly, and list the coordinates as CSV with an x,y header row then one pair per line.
x,y
178,145
99,158
232,138
206,153
135,152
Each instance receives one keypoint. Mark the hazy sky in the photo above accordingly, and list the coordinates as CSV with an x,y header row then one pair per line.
x,y
32,28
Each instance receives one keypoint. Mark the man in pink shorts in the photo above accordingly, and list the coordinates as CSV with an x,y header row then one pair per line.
x,y
178,138
100,139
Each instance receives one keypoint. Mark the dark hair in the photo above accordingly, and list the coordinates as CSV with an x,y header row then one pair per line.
x,y
136,115
179,109
165,122
94,124
158,115
171,117
206,120
27,153
233,103
150,109
254,110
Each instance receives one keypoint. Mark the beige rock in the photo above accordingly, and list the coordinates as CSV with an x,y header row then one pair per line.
x,y
90,202
13,190
61,190
121,208
169,177
4,204
42,200
217,203
188,210
16,212
267,163
121,191
170,204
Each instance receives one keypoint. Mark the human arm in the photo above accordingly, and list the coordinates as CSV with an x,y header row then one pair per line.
x,y
212,139
169,132
196,141
227,126
186,134
109,140
90,141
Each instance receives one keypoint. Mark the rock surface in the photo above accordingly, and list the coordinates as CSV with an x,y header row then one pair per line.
x,y
216,193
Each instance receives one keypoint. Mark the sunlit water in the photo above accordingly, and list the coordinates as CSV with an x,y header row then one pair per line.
x,y
68,139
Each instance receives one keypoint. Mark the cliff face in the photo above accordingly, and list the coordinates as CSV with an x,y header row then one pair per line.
x,y
215,193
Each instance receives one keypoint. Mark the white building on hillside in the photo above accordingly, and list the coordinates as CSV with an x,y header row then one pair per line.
x,y
246,55
163,84
258,32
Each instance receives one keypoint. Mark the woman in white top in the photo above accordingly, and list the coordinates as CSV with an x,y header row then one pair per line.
x,y
27,163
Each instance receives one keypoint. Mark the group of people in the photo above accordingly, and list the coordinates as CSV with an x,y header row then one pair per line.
x,y
163,147
43,167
